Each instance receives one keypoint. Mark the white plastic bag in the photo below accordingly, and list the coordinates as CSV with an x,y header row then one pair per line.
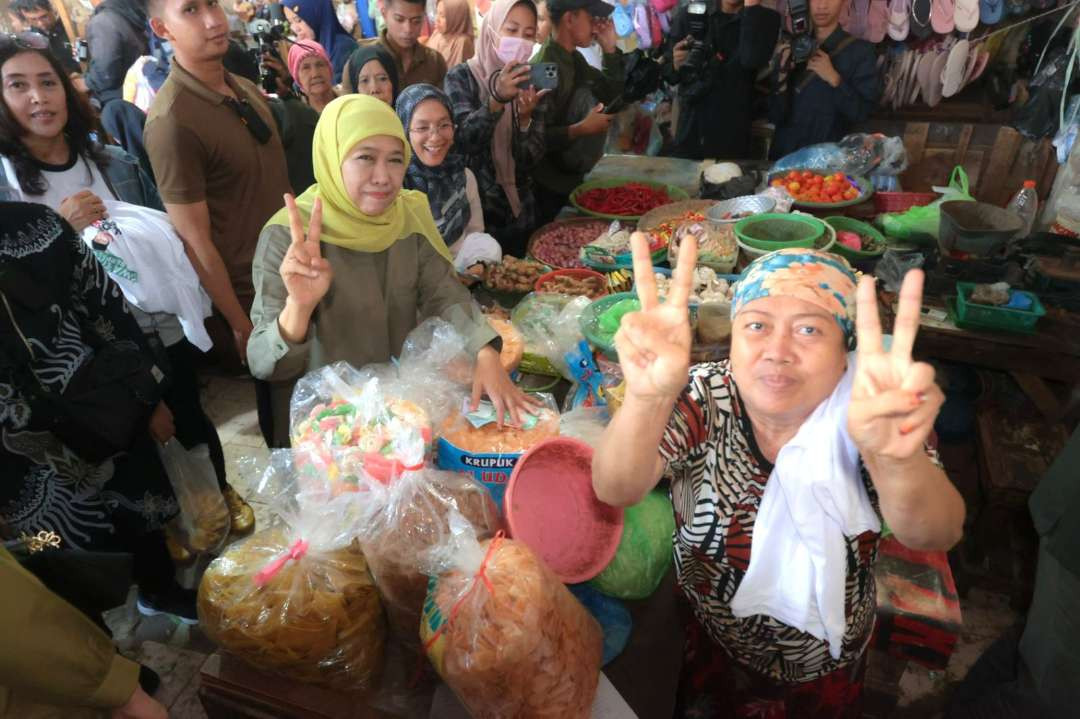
x,y
203,524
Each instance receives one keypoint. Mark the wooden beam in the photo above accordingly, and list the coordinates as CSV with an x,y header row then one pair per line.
x,y
1040,394
65,18
1002,157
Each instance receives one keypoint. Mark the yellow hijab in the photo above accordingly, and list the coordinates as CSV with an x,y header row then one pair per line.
x,y
343,123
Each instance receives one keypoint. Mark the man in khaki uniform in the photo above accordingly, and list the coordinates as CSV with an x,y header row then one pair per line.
x,y
416,63
54,663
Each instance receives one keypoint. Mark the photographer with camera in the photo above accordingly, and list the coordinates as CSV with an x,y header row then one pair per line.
x,y
721,45
824,80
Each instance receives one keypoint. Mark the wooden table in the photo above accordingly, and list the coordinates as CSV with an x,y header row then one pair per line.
x,y
646,675
1051,353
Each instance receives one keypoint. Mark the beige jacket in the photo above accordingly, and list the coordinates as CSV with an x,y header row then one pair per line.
x,y
54,662
374,301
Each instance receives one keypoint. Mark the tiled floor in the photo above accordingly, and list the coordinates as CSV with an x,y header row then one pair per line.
x,y
176,652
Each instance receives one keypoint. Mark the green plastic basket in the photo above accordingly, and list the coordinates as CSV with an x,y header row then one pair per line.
x,y
972,315
847,224
676,194
777,231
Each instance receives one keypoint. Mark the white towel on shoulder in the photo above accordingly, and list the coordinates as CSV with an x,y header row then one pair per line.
x,y
813,500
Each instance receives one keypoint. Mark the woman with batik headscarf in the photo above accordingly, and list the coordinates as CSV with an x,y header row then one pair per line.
x,y
350,267
497,130
438,171
786,460
454,36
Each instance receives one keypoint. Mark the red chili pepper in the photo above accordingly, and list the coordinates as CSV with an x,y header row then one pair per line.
x,y
631,199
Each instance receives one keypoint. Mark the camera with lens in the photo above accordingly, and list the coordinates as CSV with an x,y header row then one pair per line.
x,y
268,28
803,44
692,81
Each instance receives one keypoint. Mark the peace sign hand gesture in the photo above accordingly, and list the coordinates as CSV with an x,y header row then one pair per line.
x,y
894,400
306,274
654,344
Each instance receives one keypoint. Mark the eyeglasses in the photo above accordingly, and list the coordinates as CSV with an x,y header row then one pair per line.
x,y
443,128
28,40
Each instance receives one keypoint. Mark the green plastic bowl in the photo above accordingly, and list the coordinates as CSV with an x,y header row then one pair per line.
x,y
674,193
846,224
603,338
777,231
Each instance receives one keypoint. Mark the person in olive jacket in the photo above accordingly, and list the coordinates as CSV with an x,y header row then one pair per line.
x,y
54,662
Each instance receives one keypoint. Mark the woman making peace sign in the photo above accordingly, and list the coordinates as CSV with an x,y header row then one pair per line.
x,y
350,267
784,459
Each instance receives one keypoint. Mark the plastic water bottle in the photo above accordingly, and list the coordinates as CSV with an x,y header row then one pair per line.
x,y
1025,203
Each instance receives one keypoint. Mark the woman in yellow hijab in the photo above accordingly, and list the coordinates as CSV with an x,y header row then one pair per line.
x,y
347,269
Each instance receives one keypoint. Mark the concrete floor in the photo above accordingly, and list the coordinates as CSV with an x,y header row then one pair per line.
x,y
176,651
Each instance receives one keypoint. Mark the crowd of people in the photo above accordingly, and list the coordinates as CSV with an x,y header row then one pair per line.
x,y
324,188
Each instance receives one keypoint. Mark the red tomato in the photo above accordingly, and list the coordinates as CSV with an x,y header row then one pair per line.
x,y
793,175
806,175
793,187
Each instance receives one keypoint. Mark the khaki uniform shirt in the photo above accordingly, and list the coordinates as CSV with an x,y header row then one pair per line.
x,y
201,150
427,66
55,662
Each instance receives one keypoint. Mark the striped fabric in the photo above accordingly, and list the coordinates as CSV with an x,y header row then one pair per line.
x,y
718,478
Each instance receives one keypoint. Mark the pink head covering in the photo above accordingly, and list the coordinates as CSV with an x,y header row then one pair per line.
x,y
299,50
482,64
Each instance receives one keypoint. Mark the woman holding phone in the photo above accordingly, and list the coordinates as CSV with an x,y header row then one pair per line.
x,y
496,128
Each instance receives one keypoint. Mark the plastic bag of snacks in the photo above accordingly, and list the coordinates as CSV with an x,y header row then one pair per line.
x,y
505,634
297,599
551,326
203,523
411,518
472,442
339,418
644,554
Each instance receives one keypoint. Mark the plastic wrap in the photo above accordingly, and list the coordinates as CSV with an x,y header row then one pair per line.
x,y
297,598
858,154
345,422
585,423
550,324
203,524
588,382
412,517
505,634
924,221
894,265
644,554
474,443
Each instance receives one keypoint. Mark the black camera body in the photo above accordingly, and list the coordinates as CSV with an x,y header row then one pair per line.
x,y
803,43
269,28
693,83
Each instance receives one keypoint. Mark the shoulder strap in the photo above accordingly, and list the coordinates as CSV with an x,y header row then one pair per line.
x,y
808,76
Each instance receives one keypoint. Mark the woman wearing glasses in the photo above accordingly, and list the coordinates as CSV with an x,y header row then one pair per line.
x,y
347,269
496,127
440,173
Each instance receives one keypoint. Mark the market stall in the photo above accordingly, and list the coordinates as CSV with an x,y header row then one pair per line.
x,y
438,513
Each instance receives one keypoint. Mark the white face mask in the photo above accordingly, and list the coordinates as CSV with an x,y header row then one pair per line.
x,y
514,49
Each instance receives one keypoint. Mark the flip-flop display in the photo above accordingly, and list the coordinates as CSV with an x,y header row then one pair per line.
x,y
878,21
920,18
941,16
899,19
966,15
953,76
991,11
